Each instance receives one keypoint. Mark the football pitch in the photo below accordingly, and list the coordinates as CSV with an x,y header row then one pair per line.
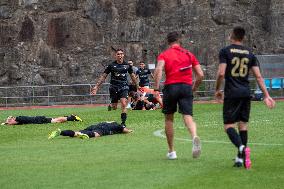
x,y
138,160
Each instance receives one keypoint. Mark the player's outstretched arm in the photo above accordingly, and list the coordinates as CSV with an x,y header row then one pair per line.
x,y
269,102
95,89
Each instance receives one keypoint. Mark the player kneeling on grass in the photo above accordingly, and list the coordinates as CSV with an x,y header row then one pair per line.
x,y
20,120
100,129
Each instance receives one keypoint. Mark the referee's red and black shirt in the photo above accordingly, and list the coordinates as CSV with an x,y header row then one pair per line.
x,y
176,58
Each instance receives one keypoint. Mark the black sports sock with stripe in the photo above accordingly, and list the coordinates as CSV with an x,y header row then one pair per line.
x,y
71,118
123,118
234,137
244,137
69,133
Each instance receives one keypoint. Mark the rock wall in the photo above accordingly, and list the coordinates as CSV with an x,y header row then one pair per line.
x,y
71,41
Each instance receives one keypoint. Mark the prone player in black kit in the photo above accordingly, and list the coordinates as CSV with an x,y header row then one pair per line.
x,y
20,120
118,83
235,63
98,130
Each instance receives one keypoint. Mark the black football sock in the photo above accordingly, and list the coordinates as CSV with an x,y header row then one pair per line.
x,y
244,137
239,154
89,133
234,137
71,118
123,118
69,133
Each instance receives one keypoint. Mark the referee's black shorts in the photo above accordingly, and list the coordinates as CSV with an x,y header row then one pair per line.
x,y
236,109
177,94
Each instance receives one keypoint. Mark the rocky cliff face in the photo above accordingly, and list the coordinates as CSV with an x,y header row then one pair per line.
x,y
71,41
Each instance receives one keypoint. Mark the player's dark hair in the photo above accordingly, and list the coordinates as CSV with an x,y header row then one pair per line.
x,y
173,37
238,33
119,50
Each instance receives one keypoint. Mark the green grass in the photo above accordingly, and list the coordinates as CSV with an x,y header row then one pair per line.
x,y
137,160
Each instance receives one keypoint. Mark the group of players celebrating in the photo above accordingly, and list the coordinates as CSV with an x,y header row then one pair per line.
x,y
235,63
179,65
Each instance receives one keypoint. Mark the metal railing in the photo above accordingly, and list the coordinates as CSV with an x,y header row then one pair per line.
x,y
52,95
48,95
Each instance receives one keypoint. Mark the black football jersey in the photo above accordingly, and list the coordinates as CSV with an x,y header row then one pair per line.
x,y
106,128
143,76
32,120
239,60
118,73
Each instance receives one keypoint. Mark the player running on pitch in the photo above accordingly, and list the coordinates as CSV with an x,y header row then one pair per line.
x,y
179,65
118,89
235,63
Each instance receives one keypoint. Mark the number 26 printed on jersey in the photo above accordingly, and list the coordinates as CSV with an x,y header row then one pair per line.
x,y
240,68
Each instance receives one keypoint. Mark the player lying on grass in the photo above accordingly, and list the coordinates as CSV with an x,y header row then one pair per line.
x,y
20,120
100,129
140,102
152,95
145,99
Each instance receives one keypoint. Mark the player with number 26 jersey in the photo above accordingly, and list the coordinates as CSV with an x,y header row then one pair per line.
x,y
239,60
236,61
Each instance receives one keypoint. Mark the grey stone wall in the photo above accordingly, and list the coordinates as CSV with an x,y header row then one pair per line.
x,y
71,41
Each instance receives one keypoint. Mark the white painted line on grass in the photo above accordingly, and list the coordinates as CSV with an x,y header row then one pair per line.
x,y
158,133
215,123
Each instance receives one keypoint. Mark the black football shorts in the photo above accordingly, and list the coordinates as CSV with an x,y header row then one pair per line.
x,y
118,92
236,109
177,94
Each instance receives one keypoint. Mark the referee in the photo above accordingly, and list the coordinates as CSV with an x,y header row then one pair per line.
x,y
178,64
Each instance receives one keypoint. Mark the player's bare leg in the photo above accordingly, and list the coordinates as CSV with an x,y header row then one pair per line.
x,y
66,118
169,118
169,130
191,126
59,120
